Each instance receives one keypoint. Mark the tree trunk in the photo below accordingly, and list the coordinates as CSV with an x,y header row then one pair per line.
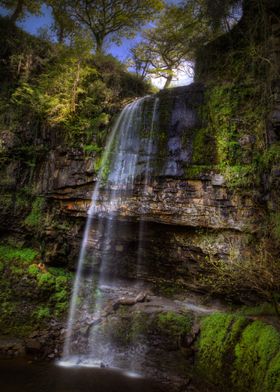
x,y
61,35
75,87
168,81
17,12
99,40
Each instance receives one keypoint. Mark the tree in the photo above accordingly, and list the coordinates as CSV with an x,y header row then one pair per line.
x,y
222,13
63,25
166,47
111,20
20,7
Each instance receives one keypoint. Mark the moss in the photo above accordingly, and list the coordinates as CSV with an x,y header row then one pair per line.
x,y
258,345
88,148
241,176
232,136
237,354
29,292
174,325
204,148
34,219
272,378
264,309
219,333
42,313
33,270
270,156
25,255
196,171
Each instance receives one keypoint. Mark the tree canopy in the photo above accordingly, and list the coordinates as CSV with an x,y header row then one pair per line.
x,y
20,7
166,47
111,20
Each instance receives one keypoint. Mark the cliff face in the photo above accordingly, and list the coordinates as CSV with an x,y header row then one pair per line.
x,y
189,212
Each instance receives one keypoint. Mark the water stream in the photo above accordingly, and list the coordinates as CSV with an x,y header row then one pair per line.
x,y
126,150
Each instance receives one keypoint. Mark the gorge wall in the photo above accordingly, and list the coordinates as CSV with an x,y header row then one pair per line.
x,y
190,212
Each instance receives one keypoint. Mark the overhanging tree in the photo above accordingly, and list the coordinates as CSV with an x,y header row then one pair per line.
x,y
19,8
63,25
167,47
112,20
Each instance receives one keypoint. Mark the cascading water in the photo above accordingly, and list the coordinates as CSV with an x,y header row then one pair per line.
x,y
126,150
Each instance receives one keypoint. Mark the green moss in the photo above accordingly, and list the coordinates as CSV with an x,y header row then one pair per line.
x,y
34,219
258,345
45,292
232,136
237,354
42,313
174,325
270,156
219,333
264,309
25,255
92,148
272,378
241,176
46,280
195,171
204,147
33,270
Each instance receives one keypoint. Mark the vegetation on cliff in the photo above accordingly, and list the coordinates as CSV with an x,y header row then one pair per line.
x,y
238,354
31,294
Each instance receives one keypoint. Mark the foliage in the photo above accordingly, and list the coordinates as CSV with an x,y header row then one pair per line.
x,y
46,292
41,313
111,21
58,89
237,278
270,156
63,26
165,48
24,255
20,8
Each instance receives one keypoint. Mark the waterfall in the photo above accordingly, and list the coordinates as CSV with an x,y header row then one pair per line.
x,y
125,152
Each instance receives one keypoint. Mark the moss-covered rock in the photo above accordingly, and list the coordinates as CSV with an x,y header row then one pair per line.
x,y
259,344
238,354
31,293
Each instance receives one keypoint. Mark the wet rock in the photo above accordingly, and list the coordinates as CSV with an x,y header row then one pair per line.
x,y
11,348
33,346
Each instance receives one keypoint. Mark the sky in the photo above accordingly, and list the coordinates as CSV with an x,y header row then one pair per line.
x,y
32,24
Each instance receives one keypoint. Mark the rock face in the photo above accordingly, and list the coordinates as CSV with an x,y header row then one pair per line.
x,y
184,215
